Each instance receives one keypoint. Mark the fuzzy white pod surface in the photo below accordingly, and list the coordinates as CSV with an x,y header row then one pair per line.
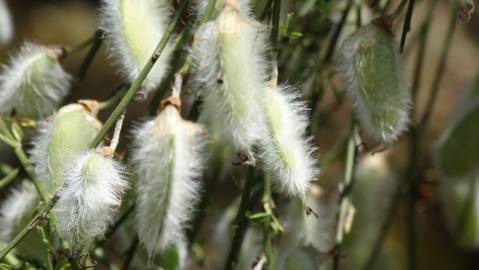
x,y
33,83
373,72
68,133
89,197
287,152
230,73
6,25
199,7
169,158
15,208
133,29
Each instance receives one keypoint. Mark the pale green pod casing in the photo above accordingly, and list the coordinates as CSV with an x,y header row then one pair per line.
x,y
33,83
373,71
66,134
133,29
230,74
287,152
169,158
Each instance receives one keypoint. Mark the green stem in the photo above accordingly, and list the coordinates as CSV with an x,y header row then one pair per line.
x,y
417,134
97,41
130,253
346,187
275,25
395,201
68,50
113,99
241,222
407,25
40,216
210,8
22,157
435,86
137,83
337,31
268,234
5,181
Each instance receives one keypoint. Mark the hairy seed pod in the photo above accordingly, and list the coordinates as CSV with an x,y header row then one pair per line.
x,y
169,157
6,26
89,196
199,7
287,152
16,210
457,150
68,133
33,83
133,29
373,72
230,72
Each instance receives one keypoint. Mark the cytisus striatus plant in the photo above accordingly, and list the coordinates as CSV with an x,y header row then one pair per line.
x,y
252,79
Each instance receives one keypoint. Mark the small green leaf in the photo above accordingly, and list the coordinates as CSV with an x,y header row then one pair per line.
x,y
295,35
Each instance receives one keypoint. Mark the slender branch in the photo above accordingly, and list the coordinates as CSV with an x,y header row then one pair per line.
x,y
435,86
67,50
136,85
210,9
5,181
39,217
267,233
22,157
120,221
98,40
130,253
337,31
407,25
275,25
395,202
345,188
241,222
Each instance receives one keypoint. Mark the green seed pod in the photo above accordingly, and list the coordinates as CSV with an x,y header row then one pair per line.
x,y
373,72
33,83
68,133
457,152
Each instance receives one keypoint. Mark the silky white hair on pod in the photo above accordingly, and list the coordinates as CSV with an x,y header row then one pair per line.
x,y
59,139
6,25
373,72
287,152
14,209
230,75
89,197
133,29
199,7
169,156
33,83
